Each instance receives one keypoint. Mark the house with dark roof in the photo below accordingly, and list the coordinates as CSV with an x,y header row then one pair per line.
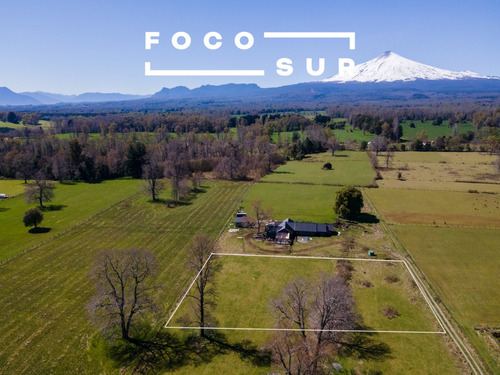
x,y
285,232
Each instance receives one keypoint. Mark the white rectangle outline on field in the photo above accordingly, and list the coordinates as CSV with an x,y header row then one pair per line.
x,y
307,330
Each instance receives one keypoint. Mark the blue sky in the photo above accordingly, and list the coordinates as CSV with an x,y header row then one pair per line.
x,y
70,47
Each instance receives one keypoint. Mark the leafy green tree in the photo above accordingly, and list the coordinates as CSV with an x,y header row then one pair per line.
x,y
32,217
12,118
349,202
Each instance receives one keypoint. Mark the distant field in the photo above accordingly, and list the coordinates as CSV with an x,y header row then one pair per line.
x,y
428,207
353,135
72,135
460,171
43,124
71,204
44,324
432,131
348,168
246,284
312,203
11,187
462,266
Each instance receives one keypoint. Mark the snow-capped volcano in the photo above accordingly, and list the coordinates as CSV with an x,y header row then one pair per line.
x,y
390,67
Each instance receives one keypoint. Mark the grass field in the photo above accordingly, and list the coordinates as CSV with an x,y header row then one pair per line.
x,y
460,171
348,168
432,131
5,126
43,320
447,235
465,277
12,187
72,203
312,203
352,134
246,284
434,207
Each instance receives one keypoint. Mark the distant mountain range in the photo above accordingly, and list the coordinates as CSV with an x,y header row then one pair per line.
x,y
9,97
386,77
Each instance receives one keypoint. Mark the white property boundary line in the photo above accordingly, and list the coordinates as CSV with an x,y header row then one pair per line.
x,y
307,330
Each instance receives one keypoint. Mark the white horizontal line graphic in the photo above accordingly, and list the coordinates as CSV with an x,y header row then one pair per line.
x,y
313,34
201,72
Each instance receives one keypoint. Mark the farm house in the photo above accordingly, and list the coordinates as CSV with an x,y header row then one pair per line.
x,y
285,232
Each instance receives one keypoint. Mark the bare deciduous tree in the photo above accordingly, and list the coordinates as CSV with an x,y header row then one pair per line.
x,y
176,167
199,253
389,155
123,288
152,173
259,212
378,144
293,304
324,309
39,190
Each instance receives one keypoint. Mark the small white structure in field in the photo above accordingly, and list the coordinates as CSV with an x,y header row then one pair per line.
x,y
3,196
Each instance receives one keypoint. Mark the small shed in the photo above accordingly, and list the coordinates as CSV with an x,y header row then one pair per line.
x,y
242,220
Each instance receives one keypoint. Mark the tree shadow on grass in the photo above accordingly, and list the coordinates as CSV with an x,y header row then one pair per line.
x,y
367,218
3,209
246,349
168,352
39,230
53,207
363,345
186,201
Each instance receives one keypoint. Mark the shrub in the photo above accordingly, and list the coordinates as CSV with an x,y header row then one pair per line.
x,y
391,279
367,284
327,166
390,312
344,269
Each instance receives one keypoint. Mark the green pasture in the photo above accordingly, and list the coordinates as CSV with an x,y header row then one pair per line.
x,y
348,168
44,324
11,187
462,266
353,135
313,203
9,125
433,131
245,286
72,203
434,207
